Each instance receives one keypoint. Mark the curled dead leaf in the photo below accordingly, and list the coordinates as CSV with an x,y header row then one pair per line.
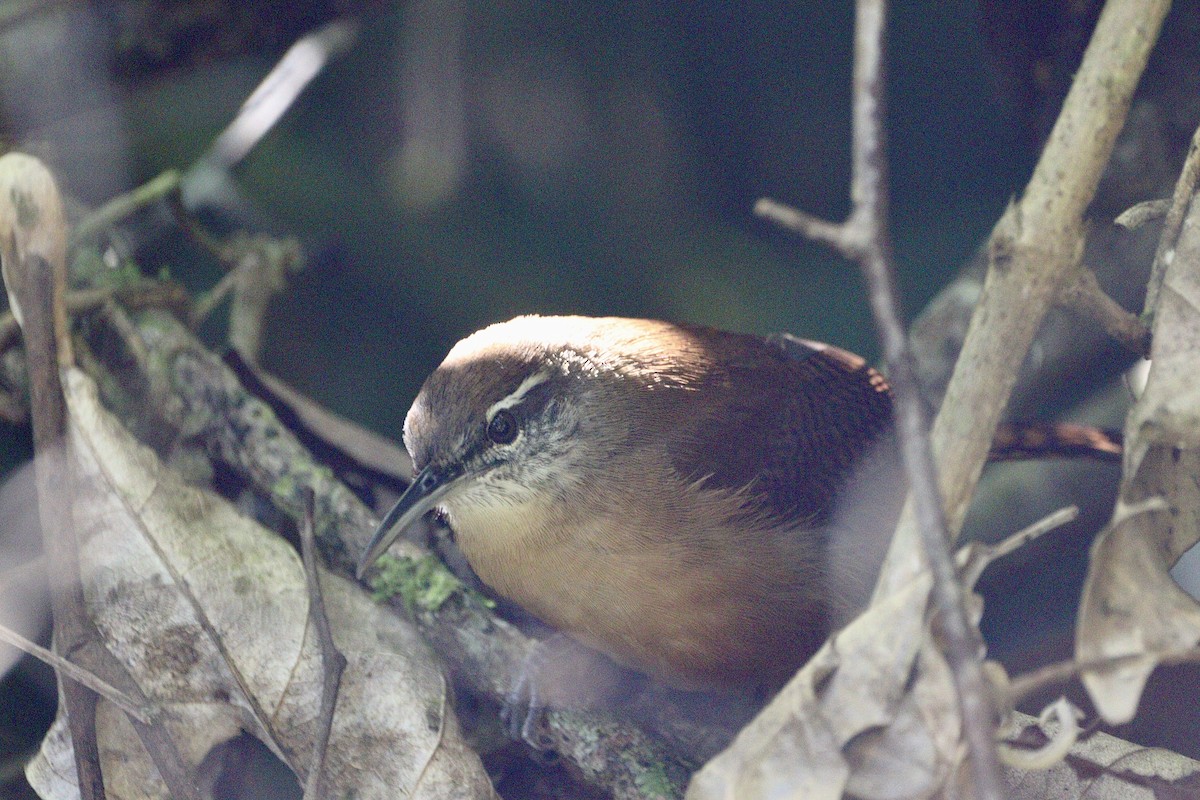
x,y
873,713
1131,606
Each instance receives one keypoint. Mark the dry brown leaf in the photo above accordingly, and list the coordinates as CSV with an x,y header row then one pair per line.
x,y
209,613
873,713
1131,605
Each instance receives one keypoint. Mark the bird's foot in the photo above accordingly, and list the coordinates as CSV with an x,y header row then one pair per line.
x,y
561,673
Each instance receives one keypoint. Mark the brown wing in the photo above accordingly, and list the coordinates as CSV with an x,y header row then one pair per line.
x,y
788,420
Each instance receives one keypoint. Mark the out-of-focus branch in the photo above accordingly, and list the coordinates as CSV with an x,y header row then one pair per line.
x,y
1085,296
33,230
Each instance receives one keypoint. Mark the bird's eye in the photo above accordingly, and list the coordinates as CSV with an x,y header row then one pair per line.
x,y
503,427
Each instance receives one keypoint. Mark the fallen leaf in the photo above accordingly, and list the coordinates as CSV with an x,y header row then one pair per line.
x,y
873,713
208,612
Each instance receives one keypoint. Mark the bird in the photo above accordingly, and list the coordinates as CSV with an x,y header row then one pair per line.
x,y
664,494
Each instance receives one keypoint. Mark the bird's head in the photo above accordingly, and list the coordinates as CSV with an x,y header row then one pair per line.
x,y
513,412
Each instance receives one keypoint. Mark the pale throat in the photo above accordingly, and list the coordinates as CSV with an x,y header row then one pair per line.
x,y
489,509
508,537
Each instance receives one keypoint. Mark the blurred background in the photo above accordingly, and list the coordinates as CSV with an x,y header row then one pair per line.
x,y
463,163
459,163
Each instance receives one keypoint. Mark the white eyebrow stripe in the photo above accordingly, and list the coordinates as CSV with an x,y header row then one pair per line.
x,y
518,395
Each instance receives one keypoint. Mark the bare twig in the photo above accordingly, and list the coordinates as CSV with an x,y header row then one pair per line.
x,y
262,266
119,321
208,302
864,238
1185,187
869,195
160,294
122,206
975,557
437,742
803,223
1023,686
1136,216
332,661
258,268
193,229
33,234
33,231
78,674
303,61
156,392
1086,297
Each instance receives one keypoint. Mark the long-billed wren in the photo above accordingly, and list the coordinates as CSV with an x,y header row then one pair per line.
x,y
660,492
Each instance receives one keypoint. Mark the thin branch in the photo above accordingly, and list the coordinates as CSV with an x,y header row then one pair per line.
x,y
124,205
1085,297
437,741
333,663
303,61
869,196
864,238
1146,211
1023,686
208,302
34,268
144,294
191,227
78,674
975,557
263,264
802,223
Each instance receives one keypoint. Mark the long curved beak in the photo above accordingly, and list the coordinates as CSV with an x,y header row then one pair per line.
x,y
427,489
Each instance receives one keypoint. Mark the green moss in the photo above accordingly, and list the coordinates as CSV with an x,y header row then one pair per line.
x,y
284,487
655,782
87,265
423,584
89,268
